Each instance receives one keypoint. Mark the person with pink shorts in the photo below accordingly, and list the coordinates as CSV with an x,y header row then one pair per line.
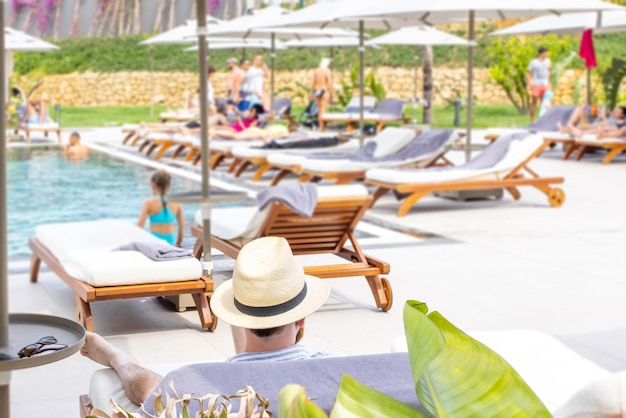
x,y
538,79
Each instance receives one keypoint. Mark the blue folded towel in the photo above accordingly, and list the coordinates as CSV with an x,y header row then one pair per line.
x,y
157,251
299,197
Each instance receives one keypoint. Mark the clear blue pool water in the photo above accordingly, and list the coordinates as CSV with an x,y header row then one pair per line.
x,y
43,187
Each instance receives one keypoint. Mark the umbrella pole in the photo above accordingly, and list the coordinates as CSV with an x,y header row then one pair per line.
x,y
470,76
151,50
415,87
331,97
361,81
273,80
589,86
207,265
5,408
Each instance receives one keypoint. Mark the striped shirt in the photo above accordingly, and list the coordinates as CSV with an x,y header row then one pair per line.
x,y
294,352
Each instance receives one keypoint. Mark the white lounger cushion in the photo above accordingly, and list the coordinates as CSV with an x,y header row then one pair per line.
x,y
592,139
227,145
503,131
85,249
178,115
236,223
543,134
286,159
42,126
517,153
243,151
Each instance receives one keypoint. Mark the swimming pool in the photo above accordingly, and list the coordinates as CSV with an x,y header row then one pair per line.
x,y
43,187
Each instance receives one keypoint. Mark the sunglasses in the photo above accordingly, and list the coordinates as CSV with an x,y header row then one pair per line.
x,y
48,343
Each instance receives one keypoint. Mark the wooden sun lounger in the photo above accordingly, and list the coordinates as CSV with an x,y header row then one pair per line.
x,y
614,148
345,177
511,182
84,293
352,124
326,232
177,118
27,129
567,143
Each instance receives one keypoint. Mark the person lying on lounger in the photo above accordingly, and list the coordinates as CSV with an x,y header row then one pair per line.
x,y
265,303
578,124
187,128
244,128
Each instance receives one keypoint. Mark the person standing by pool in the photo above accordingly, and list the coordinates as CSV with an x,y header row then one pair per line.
x,y
321,87
254,82
163,216
538,79
75,150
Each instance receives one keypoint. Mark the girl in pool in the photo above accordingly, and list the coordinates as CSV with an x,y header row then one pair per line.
x,y
163,216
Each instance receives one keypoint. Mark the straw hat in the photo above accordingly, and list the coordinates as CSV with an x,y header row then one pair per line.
x,y
268,289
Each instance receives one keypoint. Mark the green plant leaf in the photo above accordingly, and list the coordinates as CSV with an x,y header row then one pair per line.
x,y
355,400
293,403
457,376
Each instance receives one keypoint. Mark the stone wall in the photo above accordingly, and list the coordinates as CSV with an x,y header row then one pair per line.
x,y
136,88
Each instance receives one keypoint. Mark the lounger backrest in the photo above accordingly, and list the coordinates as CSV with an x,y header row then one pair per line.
x,y
393,107
282,106
353,106
430,143
550,121
338,210
391,140
507,152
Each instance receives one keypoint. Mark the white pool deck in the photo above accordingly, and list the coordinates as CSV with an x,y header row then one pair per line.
x,y
493,265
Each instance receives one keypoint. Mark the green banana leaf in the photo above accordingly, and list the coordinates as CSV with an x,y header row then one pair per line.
x,y
355,400
457,376
293,403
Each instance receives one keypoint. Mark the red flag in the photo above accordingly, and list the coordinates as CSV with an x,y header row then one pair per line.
x,y
586,51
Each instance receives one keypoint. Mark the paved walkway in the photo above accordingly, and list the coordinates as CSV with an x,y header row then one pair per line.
x,y
488,265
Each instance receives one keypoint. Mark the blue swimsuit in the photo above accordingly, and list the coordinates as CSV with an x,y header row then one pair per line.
x,y
164,216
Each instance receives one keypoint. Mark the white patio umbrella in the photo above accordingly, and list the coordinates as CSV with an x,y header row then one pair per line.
x,y
338,13
238,43
603,22
419,36
254,24
183,34
15,40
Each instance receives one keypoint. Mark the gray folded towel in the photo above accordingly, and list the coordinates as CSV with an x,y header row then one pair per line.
x,y
157,251
299,197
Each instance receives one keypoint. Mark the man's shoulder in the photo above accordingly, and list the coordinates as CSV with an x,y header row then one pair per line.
x,y
291,353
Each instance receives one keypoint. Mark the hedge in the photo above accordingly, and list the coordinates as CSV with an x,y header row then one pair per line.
x,y
125,54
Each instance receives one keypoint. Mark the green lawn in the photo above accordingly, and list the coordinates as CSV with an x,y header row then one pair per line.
x,y
96,116
484,116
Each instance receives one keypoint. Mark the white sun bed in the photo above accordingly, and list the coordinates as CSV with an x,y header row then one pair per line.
x,y
83,255
386,142
500,165
40,127
396,140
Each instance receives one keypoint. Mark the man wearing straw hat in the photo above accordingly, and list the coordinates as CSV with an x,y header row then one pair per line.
x,y
266,303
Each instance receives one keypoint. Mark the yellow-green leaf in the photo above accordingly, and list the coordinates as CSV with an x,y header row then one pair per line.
x,y
457,376
355,400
